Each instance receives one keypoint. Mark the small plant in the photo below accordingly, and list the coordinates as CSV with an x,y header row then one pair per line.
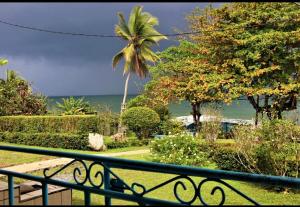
x,y
72,106
141,120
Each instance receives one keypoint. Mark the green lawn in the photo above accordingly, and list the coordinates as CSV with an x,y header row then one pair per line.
x,y
149,180
10,158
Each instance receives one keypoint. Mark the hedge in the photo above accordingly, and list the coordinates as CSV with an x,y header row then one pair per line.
x,y
55,140
74,124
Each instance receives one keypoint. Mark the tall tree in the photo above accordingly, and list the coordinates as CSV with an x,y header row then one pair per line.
x,y
184,75
258,46
140,35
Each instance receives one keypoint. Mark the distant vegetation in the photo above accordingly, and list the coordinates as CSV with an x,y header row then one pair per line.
x,y
17,98
72,106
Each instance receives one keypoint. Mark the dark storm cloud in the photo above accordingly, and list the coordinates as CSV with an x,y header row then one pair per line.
x,y
70,65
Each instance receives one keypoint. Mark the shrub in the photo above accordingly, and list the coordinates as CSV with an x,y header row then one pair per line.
x,y
130,142
228,158
143,100
211,129
16,97
270,149
179,149
171,127
75,124
142,120
61,140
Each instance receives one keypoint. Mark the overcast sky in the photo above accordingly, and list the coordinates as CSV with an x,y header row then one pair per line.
x,y
75,65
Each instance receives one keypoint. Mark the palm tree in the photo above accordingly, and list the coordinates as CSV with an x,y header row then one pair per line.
x,y
141,36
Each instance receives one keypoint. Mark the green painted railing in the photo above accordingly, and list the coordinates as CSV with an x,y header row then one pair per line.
x,y
111,185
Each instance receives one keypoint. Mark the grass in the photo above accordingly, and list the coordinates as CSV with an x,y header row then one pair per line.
x,y
149,179
10,158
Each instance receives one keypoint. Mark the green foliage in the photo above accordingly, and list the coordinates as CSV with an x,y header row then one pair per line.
x,y
72,106
184,75
256,47
179,149
271,149
103,123
56,140
171,127
140,100
16,97
130,142
227,158
141,35
3,61
143,100
142,120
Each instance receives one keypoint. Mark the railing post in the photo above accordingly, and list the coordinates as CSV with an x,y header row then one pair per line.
x,y
11,190
45,193
87,198
107,185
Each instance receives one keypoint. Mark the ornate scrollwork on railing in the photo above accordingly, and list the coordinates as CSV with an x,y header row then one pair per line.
x,y
197,191
89,173
81,176
223,196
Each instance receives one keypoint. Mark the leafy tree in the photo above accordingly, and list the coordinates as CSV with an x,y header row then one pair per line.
x,y
72,106
16,97
140,35
184,75
257,45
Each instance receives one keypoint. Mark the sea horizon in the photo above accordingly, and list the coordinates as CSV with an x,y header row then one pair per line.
x,y
238,109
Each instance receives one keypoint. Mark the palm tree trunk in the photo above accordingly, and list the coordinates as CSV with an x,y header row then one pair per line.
x,y
125,93
123,105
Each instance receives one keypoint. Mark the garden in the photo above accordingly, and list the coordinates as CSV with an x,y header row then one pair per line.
x,y
259,61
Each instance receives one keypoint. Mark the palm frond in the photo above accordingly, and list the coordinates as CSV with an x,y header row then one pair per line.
x,y
117,58
134,15
148,54
122,29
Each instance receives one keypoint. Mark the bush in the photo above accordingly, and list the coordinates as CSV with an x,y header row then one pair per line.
x,y
75,124
141,120
143,100
228,158
179,149
130,142
61,140
16,97
171,127
270,149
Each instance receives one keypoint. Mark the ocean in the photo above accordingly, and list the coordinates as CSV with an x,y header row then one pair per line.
x,y
239,109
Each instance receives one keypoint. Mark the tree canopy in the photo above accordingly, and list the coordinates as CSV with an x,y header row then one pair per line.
x,y
257,46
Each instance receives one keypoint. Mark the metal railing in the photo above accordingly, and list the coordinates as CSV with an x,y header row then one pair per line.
x,y
111,185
